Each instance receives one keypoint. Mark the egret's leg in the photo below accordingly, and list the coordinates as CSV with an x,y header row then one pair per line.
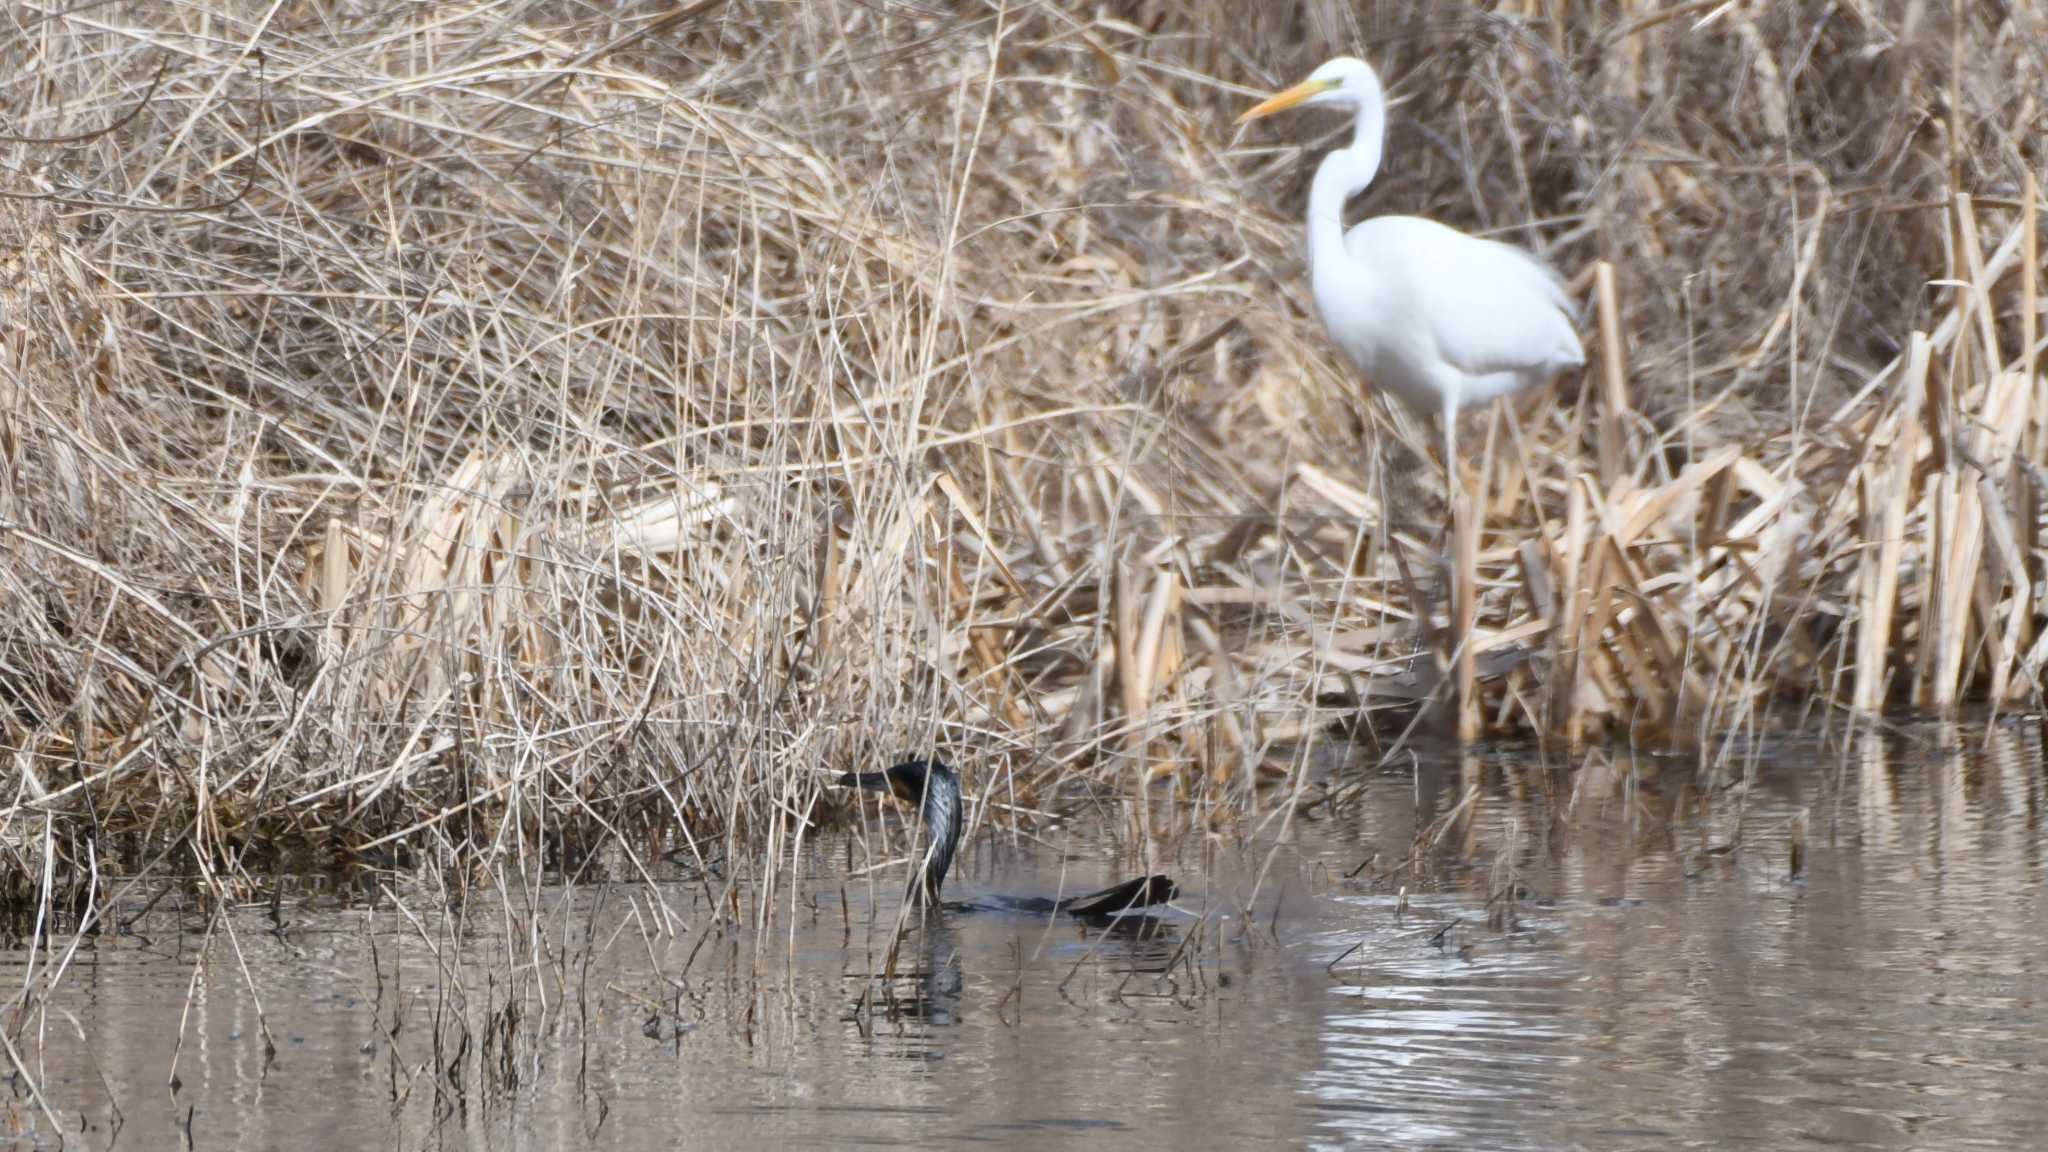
x,y
1451,498
1450,448
1464,533
1451,493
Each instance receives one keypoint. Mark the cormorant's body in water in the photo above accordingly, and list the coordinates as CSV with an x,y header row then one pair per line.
x,y
933,790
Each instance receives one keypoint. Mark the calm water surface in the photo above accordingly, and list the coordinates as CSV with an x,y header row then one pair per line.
x,y
1653,984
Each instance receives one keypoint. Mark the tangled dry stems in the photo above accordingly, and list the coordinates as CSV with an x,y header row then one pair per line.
x,y
478,429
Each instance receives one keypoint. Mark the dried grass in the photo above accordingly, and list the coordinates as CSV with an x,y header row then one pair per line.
x,y
476,429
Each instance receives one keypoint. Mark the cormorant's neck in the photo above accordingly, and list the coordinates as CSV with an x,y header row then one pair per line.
x,y
942,817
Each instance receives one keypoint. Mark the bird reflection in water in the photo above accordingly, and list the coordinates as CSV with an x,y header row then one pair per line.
x,y
930,990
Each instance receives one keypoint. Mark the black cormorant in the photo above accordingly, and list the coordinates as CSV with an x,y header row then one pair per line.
x,y
930,787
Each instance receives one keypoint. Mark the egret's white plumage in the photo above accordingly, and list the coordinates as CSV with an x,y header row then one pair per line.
x,y
1437,317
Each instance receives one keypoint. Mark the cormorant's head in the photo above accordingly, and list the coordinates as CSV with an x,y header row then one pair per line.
x,y
934,791
904,781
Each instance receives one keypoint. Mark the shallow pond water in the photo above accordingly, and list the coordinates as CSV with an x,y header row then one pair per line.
x,y
1475,951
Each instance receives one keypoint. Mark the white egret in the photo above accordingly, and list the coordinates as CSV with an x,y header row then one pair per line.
x,y
1438,318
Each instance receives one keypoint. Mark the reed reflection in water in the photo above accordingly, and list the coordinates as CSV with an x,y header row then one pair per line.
x,y
1827,943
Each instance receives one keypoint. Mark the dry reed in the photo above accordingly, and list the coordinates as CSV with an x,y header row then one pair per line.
x,y
475,430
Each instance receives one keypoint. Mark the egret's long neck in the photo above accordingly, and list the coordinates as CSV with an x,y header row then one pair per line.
x,y
1342,175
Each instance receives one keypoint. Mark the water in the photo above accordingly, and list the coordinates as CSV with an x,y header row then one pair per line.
x,y
1648,988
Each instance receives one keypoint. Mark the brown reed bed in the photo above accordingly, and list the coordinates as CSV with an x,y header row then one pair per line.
x,y
482,432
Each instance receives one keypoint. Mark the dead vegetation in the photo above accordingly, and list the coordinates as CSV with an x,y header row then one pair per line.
x,y
475,429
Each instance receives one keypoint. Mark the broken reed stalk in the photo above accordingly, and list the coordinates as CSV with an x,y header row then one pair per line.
x,y
2028,498
1968,582
1889,486
1566,659
1465,514
1614,382
2030,303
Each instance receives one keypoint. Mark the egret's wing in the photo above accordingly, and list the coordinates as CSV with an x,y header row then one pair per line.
x,y
1491,307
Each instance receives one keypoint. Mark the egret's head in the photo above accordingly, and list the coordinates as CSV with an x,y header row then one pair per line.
x,y
1346,82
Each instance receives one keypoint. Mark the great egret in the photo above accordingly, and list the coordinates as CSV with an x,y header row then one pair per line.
x,y
1438,318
